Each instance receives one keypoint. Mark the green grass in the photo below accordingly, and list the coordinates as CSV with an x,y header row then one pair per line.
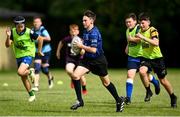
x,y
98,102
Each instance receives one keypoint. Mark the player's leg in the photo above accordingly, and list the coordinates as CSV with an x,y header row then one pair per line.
x,y
70,66
83,84
143,72
78,73
27,85
112,89
23,72
155,82
45,69
129,84
169,89
37,67
99,67
160,70
133,65
70,69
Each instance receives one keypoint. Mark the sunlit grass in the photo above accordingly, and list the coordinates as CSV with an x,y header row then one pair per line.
x,y
98,102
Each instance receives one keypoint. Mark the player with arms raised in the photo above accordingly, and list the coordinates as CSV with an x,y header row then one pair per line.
x,y
22,40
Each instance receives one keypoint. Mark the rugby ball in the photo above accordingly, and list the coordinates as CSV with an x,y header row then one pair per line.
x,y
74,49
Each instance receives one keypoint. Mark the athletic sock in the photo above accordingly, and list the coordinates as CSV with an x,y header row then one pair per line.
x,y
77,87
154,81
172,95
111,88
129,88
148,89
31,93
84,87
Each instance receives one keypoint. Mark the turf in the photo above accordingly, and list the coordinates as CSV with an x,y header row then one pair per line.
x,y
98,101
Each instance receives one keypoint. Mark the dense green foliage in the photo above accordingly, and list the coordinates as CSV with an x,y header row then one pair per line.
x,y
110,19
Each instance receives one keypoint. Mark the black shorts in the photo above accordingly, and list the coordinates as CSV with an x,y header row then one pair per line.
x,y
73,59
97,66
45,58
158,65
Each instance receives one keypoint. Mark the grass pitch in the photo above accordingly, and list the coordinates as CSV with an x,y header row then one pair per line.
x,y
98,101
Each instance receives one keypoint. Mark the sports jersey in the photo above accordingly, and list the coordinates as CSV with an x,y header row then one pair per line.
x,y
67,42
23,45
44,33
134,49
93,38
150,51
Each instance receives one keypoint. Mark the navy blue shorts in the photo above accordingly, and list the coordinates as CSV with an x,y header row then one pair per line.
x,y
27,60
133,63
45,58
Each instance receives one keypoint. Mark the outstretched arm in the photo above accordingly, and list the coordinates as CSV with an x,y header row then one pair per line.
x,y
8,41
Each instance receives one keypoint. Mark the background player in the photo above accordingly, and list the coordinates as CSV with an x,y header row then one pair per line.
x,y
153,57
134,51
42,62
71,60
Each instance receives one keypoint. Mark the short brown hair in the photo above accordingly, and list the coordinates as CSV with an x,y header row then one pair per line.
x,y
90,14
72,26
144,16
131,15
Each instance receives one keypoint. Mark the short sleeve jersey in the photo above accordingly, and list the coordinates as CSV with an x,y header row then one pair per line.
x,y
93,38
44,33
67,43
23,43
150,51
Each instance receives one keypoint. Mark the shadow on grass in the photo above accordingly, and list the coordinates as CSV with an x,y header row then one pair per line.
x,y
6,100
